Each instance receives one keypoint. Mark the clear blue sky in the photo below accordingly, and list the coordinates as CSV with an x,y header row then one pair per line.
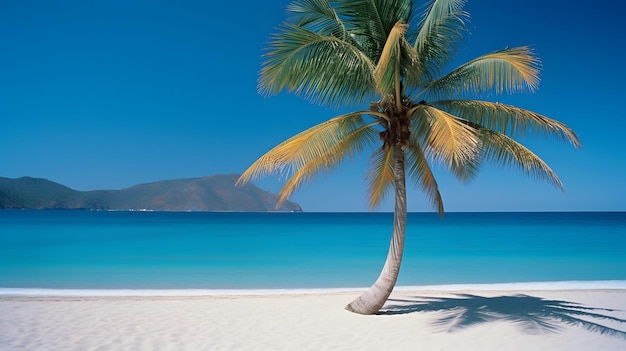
x,y
110,94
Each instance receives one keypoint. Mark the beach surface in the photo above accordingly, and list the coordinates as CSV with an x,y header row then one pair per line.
x,y
591,319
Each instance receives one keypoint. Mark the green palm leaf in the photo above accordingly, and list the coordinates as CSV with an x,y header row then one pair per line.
x,y
318,16
441,27
371,21
324,69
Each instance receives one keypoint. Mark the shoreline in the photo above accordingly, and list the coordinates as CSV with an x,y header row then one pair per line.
x,y
181,292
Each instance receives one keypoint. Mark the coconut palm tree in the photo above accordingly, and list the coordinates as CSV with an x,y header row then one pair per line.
x,y
387,54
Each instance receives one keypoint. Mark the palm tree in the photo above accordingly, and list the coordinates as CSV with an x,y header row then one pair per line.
x,y
349,52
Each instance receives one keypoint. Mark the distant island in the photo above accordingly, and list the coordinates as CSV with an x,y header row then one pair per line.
x,y
212,193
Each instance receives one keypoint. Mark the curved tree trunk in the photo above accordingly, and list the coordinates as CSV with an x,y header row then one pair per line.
x,y
373,299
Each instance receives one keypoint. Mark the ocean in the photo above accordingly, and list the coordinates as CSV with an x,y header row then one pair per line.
x,y
191,250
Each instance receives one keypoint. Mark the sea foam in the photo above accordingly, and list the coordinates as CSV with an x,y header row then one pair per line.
x,y
514,286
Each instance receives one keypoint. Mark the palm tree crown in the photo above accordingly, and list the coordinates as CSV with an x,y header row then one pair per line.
x,y
391,57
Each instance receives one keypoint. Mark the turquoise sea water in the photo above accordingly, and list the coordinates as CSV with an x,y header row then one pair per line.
x,y
169,250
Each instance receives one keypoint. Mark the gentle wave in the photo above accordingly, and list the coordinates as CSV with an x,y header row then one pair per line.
x,y
514,286
532,286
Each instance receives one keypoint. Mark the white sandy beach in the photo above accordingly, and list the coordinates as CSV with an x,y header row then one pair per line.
x,y
416,320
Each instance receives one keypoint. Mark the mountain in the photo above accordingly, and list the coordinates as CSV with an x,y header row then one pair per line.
x,y
34,193
212,193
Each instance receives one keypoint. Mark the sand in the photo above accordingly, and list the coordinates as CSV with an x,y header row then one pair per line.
x,y
414,320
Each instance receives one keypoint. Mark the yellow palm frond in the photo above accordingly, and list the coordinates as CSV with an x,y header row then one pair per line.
x,y
507,119
387,67
510,70
334,154
380,175
316,149
419,169
500,148
447,140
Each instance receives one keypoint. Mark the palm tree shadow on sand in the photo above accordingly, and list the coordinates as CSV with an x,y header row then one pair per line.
x,y
532,314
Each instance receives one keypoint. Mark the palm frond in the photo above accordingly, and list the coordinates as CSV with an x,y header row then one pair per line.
x,y
344,52
387,69
349,144
447,140
317,149
507,119
318,16
371,21
420,170
380,175
500,148
323,69
510,70
441,27
411,70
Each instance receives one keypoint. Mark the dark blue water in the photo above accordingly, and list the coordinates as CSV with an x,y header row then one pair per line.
x,y
165,250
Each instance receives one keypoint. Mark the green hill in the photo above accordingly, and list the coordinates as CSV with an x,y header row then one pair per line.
x,y
212,193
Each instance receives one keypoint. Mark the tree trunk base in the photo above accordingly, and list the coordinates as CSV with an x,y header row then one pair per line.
x,y
373,299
